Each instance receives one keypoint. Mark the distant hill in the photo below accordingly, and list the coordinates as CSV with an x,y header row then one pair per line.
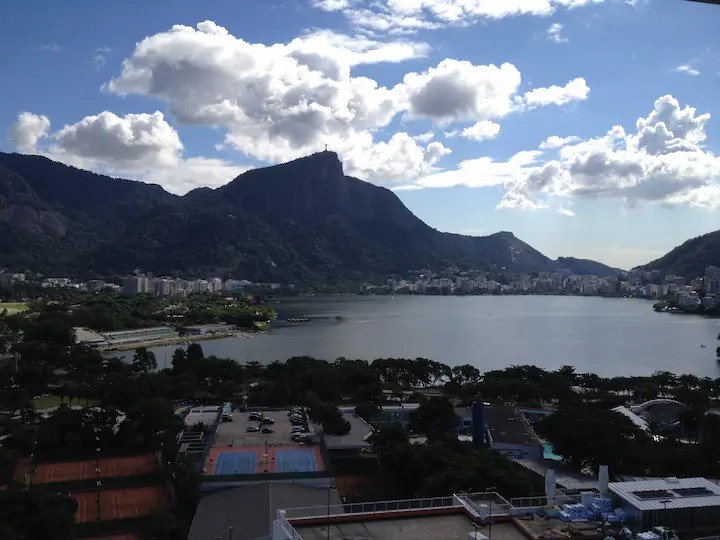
x,y
690,258
302,221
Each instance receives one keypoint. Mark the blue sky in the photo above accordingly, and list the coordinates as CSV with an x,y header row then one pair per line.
x,y
589,128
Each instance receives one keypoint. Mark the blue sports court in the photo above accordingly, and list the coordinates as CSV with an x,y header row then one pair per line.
x,y
295,461
235,463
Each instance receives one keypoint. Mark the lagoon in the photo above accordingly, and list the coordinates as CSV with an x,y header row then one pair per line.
x,y
607,336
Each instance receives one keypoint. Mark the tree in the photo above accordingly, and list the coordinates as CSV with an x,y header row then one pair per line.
x,y
588,435
180,361
434,417
367,411
195,354
144,361
30,516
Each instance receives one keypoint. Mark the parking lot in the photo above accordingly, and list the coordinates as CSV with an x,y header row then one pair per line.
x,y
234,434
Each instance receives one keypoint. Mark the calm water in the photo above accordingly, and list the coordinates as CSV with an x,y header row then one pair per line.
x,y
607,336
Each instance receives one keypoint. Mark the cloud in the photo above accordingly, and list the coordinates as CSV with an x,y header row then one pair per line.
x,y
282,101
565,212
408,16
49,47
557,142
575,90
99,57
484,129
28,130
135,140
687,69
139,146
662,161
425,137
459,90
554,33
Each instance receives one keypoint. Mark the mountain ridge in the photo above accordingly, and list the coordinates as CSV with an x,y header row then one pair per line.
x,y
301,221
690,258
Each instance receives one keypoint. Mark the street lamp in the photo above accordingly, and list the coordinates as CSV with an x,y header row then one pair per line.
x,y
491,490
665,519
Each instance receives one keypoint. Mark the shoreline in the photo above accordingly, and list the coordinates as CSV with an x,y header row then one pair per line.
x,y
180,340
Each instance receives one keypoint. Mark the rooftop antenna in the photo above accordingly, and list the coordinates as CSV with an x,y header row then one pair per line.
x,y
326,147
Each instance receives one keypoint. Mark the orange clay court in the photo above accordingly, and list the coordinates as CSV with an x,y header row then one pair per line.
x,y
120,503
49,473
279,458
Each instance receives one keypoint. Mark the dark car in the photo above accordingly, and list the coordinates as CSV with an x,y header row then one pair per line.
x,y
252,429
267,430
267,421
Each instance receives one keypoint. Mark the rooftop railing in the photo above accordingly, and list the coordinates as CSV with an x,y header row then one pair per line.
x,y
402,505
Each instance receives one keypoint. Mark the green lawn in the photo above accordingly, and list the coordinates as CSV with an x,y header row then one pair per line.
x,y
45,402
13,307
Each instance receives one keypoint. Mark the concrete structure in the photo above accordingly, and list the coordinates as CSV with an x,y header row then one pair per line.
x,y
507,431
357,439
250,510
683,504
636,419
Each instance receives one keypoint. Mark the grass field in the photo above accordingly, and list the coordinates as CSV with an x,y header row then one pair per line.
x,y
13,307
45,402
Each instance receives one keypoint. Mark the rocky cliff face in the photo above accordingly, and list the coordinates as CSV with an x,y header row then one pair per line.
x,y
302,221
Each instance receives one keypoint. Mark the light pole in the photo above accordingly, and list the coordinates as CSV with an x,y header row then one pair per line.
x,y
98,483
490,490
665,519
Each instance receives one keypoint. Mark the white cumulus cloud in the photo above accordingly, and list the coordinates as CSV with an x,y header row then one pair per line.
x,y
132,140
661,161
28,130
480,131
575,90
282,101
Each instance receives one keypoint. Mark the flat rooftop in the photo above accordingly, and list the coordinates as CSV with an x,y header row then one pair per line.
x,y
445,527
360,430
508,425
676,492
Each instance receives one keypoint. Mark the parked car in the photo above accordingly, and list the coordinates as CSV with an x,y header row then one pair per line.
x,y
252,429
297,437
254,416
267,420
297,429
296,422
267,430
226,417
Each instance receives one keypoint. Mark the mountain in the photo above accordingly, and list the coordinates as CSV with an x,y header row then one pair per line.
x,y
690,258
302,221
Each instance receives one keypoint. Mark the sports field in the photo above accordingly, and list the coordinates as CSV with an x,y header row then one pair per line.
x,y
13,307
120,503
69,471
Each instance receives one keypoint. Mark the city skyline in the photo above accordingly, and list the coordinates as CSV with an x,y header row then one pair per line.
x,y
583,126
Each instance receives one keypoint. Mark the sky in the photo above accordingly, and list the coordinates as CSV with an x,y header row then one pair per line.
x,y
588,128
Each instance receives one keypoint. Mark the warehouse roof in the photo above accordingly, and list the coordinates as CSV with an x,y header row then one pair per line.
x,y
678,492
507,425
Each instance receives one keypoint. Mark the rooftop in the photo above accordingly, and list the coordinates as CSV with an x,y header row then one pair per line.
x,y
507,425
447,527
678,492
360,430
250,509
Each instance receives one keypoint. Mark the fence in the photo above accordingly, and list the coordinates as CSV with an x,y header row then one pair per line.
x,y
283,529
402,505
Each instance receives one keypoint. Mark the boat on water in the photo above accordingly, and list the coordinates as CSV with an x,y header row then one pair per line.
x,y
298,319
702,346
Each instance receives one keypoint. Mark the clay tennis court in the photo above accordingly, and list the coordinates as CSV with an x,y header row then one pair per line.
x,y
120,503
69,471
